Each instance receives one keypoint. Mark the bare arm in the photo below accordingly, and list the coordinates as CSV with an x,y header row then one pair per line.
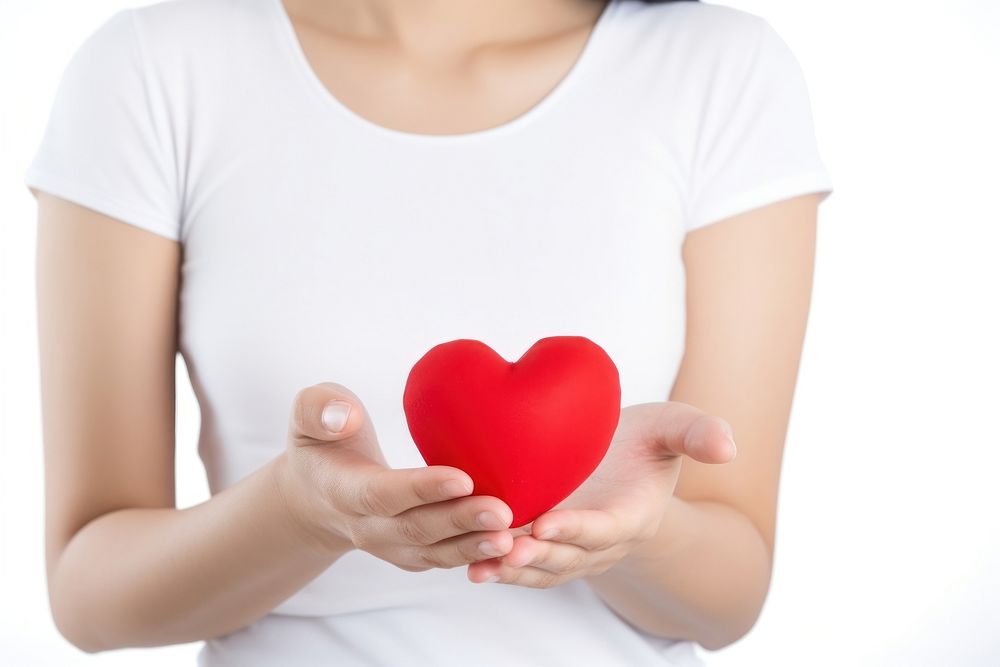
x,y
125,567
706,573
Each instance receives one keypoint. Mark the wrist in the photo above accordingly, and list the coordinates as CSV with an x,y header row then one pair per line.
x,y
300,520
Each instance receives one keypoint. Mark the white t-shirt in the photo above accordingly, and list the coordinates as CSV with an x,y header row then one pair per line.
x,y
319,246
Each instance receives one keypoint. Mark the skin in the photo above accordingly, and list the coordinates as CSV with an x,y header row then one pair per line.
x,y
460,66
670,531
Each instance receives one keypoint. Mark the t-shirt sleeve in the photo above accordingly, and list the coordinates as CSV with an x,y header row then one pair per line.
x,y
106,144
757,142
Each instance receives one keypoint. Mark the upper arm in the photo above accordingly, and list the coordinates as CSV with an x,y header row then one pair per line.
x,y
749,280
107,327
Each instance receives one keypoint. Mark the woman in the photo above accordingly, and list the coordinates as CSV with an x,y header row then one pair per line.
x,y
314,194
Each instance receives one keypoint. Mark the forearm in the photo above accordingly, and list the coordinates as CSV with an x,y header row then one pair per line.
x,y
703,577
155,576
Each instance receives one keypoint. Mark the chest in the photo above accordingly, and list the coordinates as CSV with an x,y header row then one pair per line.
x,y
320,253
531,225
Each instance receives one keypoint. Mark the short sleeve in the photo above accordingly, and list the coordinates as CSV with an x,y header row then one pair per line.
x,y
757,142
106,144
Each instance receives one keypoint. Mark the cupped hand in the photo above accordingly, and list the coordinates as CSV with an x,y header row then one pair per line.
x,y
620,506
339,490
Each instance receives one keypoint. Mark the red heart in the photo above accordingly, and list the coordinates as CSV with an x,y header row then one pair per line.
x,y
528,432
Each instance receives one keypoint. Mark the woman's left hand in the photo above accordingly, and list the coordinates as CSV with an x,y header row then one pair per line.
x,y
620,506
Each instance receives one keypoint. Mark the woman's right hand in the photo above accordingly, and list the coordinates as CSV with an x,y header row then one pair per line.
x,y
337,486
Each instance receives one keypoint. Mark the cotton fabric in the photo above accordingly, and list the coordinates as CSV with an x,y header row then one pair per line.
x,y
320,246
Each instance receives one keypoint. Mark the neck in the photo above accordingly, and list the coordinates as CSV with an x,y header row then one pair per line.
x,y
446,24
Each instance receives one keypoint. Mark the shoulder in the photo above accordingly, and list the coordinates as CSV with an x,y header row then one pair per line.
x,y
181,26
697,32
685,49
194,18
175,29
705,19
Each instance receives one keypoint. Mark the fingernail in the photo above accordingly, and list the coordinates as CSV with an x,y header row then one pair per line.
x,y
489,548
549,534
456,487
731,450
492,580
335,415
490,520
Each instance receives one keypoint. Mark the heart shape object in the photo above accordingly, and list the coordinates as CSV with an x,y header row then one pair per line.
x,y
528,432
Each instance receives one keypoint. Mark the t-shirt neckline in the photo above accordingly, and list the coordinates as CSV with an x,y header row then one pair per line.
x,y
301,64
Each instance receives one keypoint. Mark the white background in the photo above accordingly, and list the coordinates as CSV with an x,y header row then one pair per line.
x,y
888,546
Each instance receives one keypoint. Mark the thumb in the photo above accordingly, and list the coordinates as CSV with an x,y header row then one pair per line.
x,y
325,412
683,429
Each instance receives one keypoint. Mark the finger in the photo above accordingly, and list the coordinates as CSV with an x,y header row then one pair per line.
x,y
465,549
493,571
682,429
552,556
593,530
325,412
710,440
432,523
387,491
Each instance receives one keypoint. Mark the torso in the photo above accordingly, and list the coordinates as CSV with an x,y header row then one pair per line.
x,y
326,240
